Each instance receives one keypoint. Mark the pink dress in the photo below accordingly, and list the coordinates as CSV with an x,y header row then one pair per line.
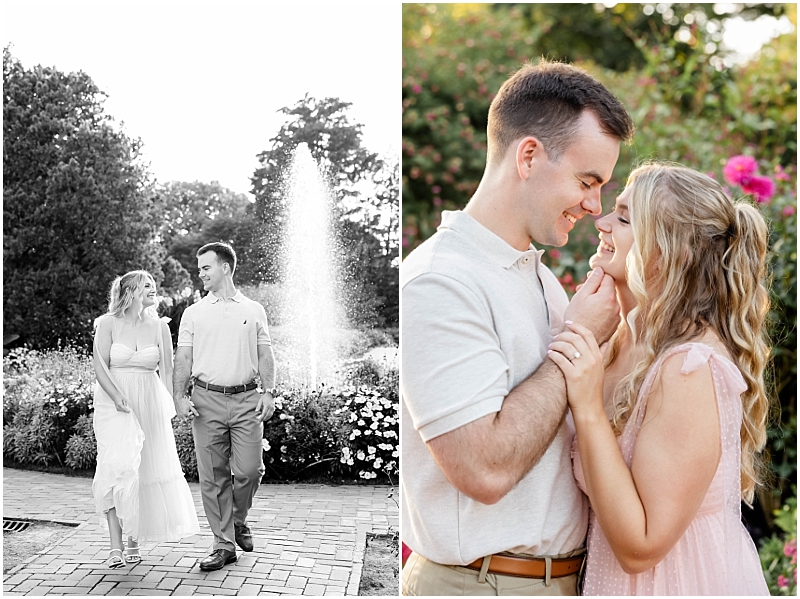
x,y
715,556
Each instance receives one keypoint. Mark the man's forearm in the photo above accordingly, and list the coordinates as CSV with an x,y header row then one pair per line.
x,y
180,378
485,459
266,366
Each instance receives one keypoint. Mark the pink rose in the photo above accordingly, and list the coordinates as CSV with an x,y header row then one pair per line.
x,y
739,169
762,188
788,210
783,582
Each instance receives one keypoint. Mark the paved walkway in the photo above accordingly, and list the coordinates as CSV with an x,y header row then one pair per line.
x,y
309,539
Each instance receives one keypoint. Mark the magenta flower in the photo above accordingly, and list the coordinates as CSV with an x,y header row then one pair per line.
x,y
788,210
762,188
739,169
780,174
783,582
416,88
790,548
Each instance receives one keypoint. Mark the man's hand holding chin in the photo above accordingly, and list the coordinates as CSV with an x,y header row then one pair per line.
x,y
595,306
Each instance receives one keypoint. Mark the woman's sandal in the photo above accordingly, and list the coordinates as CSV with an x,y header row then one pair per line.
x,y
132,555
115,561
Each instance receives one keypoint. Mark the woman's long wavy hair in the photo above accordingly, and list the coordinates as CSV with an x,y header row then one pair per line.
x,y
123,288
698,263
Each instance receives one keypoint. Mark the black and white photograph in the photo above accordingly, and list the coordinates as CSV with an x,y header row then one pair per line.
x,y
201,247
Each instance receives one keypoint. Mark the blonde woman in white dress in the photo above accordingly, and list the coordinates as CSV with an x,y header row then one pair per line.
x,y
139,488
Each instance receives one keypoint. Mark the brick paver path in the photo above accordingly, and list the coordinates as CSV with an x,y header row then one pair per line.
x,y
309,539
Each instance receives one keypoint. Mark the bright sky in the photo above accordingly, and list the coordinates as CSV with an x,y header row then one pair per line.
x,y
200,82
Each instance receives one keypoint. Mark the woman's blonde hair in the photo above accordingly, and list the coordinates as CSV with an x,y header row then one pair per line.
x,y
698,263
123,288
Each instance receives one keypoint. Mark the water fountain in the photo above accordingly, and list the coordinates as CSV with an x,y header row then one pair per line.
x,y
312,299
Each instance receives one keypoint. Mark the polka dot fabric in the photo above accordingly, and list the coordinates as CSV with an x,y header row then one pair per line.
x,y
715,556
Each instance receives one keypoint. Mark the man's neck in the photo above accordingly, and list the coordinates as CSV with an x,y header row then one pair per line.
x,y
491,209
227,291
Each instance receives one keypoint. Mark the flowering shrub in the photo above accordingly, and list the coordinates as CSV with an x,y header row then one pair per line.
x,y
47,420
779,553
350,431
299,439
372,447
45,393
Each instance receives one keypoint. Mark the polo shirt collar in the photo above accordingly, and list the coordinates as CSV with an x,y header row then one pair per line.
x,y
214,298
497,249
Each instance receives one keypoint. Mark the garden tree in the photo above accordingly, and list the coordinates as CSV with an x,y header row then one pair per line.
x,y
78,206
198,213
371,245
335,144
244,231
615,35
190,206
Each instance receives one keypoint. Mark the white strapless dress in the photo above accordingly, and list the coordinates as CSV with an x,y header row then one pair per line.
x,y
138,471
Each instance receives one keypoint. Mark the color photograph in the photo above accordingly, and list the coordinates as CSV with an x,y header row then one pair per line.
x,y
598,299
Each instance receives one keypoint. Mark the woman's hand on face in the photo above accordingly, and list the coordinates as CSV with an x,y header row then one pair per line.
x,y
576,353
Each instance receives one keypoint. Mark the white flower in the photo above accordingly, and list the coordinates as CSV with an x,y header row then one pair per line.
x,y
377,463
360,455
265,445
371,449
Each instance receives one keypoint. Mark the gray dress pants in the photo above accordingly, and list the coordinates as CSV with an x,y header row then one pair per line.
x,y
227,438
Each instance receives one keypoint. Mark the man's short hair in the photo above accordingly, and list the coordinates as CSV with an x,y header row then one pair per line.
x,y
224,253
545,101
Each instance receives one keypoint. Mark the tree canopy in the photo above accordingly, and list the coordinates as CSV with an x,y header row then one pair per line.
x,y
78,206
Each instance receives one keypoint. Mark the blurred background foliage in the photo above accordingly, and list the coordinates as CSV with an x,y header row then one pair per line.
x,y
692,101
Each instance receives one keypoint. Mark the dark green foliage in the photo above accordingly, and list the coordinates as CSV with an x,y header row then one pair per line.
x,y
77,205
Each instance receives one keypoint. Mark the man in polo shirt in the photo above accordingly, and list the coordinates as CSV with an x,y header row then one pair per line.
x,y
223,345
490,505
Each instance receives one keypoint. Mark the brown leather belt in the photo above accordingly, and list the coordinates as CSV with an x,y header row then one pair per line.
x,y
529,567
226,390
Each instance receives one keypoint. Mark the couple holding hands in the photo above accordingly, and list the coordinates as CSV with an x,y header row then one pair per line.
x,y
630,417
223,345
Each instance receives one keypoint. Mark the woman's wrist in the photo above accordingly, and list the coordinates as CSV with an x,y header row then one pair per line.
x,y
589,414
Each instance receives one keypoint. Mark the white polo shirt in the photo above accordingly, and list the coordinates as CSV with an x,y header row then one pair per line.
x,y
224,335
475,322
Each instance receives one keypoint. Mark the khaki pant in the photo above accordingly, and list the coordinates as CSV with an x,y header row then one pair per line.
x,y
422,577
227,438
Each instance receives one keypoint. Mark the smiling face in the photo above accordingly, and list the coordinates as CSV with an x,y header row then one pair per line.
x,y
212,271
568,188
148,292
616,239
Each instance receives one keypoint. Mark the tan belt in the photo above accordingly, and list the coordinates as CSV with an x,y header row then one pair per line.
x,y
534,567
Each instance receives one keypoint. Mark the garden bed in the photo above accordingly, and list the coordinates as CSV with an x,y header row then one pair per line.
x,y
380,575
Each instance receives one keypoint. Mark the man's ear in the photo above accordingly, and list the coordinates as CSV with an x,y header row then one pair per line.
x,y
529,150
